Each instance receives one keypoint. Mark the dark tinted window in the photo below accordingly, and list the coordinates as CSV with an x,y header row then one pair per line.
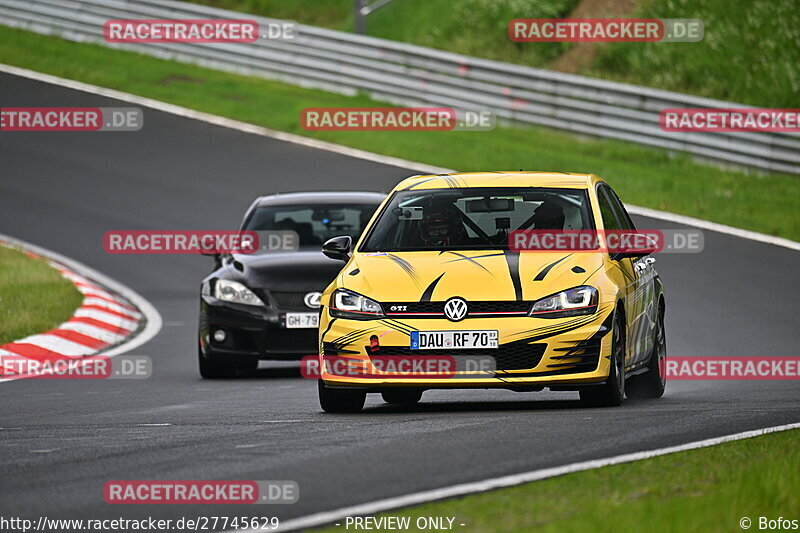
x,y
313,224
607,211
619,209
474,218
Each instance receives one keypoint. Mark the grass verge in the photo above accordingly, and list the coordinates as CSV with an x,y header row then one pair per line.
x,y
710,489
643,176
34,297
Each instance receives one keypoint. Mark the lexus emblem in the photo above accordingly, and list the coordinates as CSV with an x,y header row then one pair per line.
x,y
312,299
455,309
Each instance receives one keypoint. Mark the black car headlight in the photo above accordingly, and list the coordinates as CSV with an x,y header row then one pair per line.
x,y
573,302
348,304
235,292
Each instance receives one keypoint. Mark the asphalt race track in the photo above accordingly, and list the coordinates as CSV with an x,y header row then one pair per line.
x,y
61,440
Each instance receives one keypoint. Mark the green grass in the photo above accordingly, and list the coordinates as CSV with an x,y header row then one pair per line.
x,y
34,297
706,490
750,54
642,176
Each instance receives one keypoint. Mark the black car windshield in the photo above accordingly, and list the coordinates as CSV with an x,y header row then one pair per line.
x,y
474,218
313,224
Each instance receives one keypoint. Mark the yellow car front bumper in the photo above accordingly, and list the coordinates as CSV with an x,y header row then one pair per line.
x,y
532,352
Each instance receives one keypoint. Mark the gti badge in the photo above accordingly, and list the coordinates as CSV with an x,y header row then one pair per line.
x,y
455,309
312,299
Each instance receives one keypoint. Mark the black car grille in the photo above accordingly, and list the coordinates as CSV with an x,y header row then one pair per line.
x,y
485,309
293,341
510,357
292,301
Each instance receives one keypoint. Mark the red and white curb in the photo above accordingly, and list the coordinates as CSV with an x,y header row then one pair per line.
x,y
112,319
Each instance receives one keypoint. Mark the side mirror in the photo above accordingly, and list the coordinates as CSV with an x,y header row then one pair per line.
x,y
338,247
638,251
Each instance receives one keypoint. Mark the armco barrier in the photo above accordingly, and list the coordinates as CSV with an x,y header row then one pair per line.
x,y
413,75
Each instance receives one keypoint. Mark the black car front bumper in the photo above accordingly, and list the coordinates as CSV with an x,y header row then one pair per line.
x,y
252,332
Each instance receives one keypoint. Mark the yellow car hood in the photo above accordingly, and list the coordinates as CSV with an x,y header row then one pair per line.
x,y
472,275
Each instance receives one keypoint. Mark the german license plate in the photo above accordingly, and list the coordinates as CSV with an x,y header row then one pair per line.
x,y
453,340
302,320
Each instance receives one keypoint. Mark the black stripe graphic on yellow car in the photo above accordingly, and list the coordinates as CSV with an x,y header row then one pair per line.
x,y
330,323
579,321
407,267
453,181
351,337
512,259
345,337
426,296
468,258
493,254
399,326
574,351
540,276
590,362
551,333
419,183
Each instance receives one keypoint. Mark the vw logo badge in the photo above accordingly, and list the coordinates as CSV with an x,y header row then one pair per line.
x,y
312,299
455,309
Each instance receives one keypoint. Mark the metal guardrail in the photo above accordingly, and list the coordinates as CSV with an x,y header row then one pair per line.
x,y
406,74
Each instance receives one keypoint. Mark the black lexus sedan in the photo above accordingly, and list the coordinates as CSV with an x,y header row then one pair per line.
x,y
265,305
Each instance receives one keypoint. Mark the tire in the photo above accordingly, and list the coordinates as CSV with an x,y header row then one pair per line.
x,y
340,401
651,384
225,369
611,393
402,396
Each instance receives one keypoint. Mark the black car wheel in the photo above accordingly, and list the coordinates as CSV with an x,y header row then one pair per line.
x,y
650,385
340,401
402,396
611,393
225,369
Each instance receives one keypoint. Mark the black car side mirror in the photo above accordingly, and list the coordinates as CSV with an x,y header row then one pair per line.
x,y
338,247
636,252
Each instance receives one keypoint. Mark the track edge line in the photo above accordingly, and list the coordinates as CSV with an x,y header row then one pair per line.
x,y
153,321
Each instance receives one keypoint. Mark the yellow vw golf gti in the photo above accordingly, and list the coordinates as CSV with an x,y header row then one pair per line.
x,y
436,294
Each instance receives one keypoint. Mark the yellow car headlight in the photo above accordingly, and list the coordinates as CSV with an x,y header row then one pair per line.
x,y
572,302
349,304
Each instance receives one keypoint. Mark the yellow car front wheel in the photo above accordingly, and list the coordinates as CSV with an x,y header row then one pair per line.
x,y
611,393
